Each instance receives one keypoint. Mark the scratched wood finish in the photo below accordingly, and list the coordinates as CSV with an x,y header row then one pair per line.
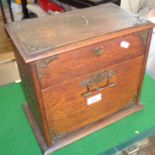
x,y
63,65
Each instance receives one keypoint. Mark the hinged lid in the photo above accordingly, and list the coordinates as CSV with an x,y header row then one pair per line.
x,y
41,37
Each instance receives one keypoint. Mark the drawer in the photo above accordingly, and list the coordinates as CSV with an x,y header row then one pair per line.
x,y
73,105
67,66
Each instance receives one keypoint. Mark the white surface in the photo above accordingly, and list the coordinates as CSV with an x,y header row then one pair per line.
x,y
130,5
94,99
150,68
124,44
152,46
36,9
9,73
17,11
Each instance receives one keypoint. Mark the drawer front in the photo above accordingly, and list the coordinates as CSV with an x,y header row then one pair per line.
x,y
67,66
92,97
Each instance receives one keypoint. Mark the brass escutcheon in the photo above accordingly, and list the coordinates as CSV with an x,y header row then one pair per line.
x,y
99,51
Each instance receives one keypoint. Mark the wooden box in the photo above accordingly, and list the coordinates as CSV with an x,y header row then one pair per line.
x,y
81,70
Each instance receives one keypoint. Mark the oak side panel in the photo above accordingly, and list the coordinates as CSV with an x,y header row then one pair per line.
x,y
38,93
28,87
144,63
31,91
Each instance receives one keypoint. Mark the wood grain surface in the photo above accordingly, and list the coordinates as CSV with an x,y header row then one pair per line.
x,y
67,66
43,37
80,68
67,109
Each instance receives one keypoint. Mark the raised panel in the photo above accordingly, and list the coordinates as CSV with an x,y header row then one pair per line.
x,y
67,66
67,109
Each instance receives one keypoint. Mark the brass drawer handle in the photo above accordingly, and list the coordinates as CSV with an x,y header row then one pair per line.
x,y
105,76
89,93
99,51
97,78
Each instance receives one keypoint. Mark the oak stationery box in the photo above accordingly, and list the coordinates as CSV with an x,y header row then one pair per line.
x,y
81,70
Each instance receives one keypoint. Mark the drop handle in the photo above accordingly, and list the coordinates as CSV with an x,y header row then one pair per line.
x,y
98,89
96,79
99,51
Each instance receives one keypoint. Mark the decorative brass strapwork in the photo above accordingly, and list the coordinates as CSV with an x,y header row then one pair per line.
x,y
41,65
140,20
98,78
143,36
